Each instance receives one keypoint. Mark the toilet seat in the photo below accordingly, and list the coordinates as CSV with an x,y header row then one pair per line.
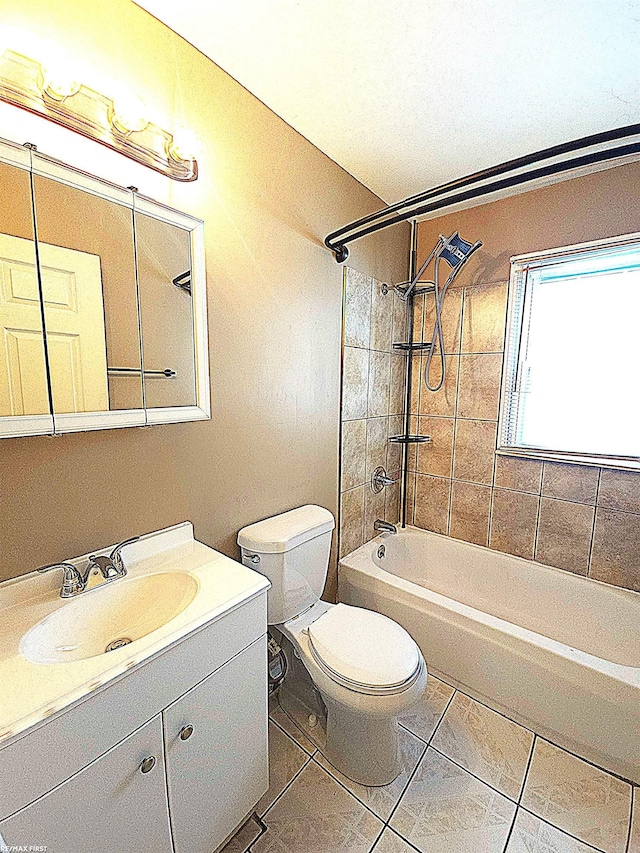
x,y
364,651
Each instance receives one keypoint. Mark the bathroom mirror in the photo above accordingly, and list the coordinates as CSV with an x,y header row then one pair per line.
x,y
89,293
24,393
166,310
117,283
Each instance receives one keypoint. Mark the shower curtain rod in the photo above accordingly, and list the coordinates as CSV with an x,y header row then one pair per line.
x,y
415,205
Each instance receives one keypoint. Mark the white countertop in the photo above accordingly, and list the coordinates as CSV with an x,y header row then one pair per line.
x,y
31,692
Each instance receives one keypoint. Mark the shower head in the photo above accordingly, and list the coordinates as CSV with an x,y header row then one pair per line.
x,y
455,250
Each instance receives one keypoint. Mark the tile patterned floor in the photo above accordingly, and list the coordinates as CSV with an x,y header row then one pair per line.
x,y
472,782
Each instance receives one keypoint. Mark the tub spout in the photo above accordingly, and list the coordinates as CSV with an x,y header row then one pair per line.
x,y
379,524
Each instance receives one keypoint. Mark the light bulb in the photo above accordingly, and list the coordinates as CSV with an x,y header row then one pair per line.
x,y
184,144
59,80
129,114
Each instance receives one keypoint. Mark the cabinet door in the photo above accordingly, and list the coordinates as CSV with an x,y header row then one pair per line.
x,y
219,772
109,806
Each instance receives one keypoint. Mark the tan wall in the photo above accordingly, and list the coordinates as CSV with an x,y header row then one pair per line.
x,y
582,519
268,198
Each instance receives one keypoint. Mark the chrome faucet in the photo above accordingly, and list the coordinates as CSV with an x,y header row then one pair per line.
x,y
379,525
75,581
113,566
380,479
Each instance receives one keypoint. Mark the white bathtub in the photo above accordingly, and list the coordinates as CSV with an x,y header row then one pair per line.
x,y
556,652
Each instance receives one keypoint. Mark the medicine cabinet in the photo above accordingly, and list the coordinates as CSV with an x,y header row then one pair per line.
x,y
102,303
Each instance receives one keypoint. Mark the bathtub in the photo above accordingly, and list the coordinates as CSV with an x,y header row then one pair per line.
x,y
556,652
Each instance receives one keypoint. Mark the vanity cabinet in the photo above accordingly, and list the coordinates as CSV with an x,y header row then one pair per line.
x,y
217,763
76,783
109,806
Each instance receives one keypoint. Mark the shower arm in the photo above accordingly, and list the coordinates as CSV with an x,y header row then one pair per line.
x,y
441,197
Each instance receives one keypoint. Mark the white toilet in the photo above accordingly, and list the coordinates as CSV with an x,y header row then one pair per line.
x,y
366,668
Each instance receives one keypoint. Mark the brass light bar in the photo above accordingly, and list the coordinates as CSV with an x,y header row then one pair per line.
x,y
25,83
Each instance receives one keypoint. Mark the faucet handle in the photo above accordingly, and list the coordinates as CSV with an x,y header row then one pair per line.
x,y
72,581
116,556
379,480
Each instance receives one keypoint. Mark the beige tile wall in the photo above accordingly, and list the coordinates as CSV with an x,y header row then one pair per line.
x,y
582,519
373,384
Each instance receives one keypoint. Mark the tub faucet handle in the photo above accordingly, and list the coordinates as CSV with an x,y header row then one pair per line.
x,y
380,479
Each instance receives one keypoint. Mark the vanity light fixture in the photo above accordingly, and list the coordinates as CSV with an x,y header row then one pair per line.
x,y
53,92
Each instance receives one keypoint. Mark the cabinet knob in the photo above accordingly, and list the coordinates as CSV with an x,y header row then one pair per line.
x,y
148,764
186,732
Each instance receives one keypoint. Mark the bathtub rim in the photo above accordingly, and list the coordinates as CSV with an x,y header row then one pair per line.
x,y
361,560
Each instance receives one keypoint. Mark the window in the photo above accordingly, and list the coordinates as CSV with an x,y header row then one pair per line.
x,y
571,384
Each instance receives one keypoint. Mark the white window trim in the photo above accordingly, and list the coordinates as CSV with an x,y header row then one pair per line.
x,y
520,265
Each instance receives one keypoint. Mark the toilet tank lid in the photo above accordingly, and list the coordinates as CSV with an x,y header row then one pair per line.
x,y
286,531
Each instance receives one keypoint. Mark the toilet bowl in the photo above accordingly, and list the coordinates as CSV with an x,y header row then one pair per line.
x,y
366,669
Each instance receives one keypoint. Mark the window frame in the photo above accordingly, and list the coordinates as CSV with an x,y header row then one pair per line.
x,y
521,265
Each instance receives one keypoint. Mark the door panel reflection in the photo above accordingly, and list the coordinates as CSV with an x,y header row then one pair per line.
x,y
23,375
90,299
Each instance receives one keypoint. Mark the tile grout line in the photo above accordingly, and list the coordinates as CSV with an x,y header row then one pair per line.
x,y
455,407
493,490
536,735
428,744
538,511
471,773
285,789
343,786
422,757
593,526
500,393
633,799
563,831
378,837
291,738
519,800
401,837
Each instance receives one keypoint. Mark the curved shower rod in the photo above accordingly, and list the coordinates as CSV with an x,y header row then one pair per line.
x,y
417,205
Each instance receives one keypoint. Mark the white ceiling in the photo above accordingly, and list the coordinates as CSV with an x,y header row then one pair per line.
x,y
406,94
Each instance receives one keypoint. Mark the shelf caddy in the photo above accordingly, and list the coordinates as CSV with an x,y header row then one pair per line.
x,y
414,346
409,439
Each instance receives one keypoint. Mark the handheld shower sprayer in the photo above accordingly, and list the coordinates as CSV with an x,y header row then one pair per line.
x,y
456,252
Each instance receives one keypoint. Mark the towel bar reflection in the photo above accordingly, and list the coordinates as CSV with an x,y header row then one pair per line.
x,y
136,371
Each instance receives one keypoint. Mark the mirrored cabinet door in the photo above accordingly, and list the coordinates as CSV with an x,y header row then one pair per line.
x,y
166,309
103,312
90,295
24,392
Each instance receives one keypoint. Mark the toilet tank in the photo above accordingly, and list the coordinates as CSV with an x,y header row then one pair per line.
x,y
292,550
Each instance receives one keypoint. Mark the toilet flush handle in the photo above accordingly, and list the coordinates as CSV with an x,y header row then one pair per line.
x,y
255,558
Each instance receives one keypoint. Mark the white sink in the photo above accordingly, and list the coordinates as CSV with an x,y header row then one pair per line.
x,y
109,617
53,651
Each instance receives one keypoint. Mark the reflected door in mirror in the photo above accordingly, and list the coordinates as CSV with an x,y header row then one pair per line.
x,y
90,299
23,375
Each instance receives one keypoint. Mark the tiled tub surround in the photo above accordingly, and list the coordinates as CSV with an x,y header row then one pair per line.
x,y
582,519
472,781
373,386
557,652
